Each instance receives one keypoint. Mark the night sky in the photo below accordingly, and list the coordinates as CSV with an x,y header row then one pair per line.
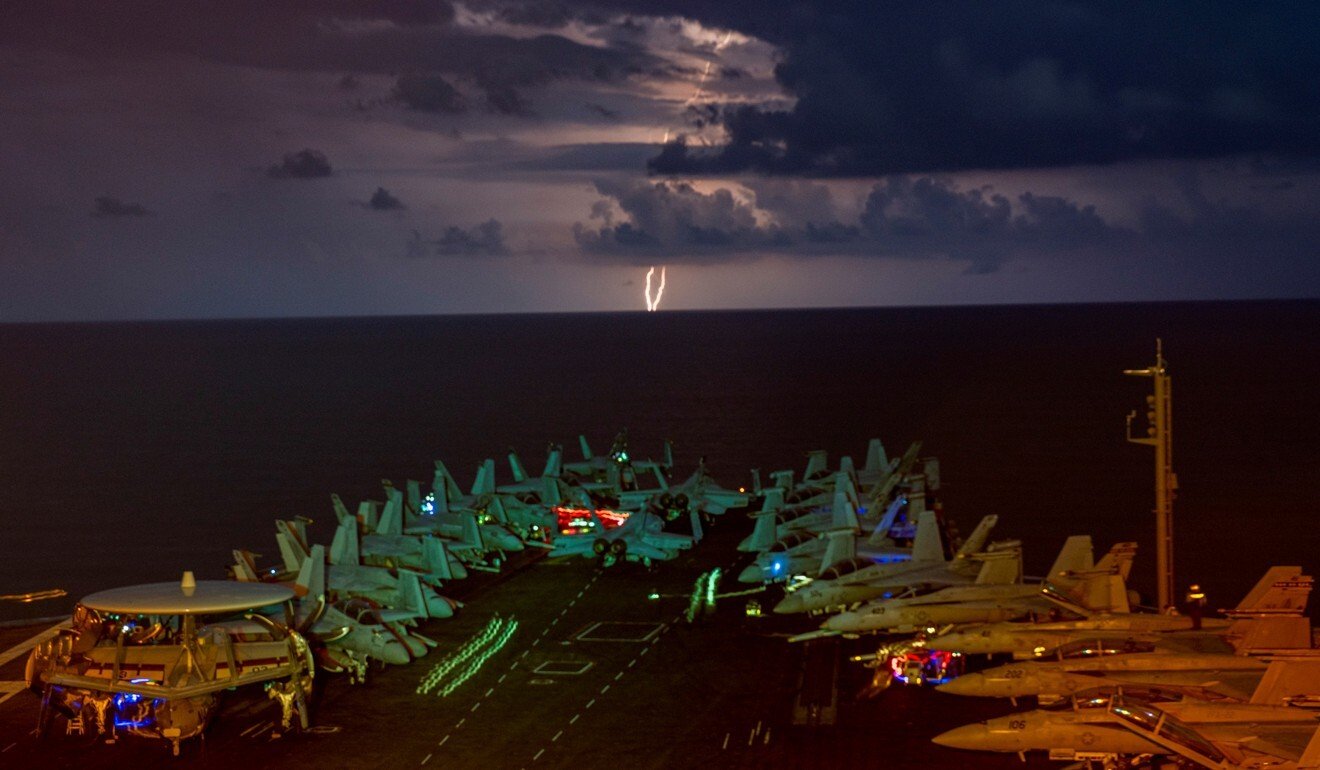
x,y
241,158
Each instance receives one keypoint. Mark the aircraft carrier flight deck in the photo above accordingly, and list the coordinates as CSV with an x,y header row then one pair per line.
x,y
568,664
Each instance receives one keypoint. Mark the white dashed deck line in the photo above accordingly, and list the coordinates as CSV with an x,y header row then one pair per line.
x,y
442,741
632,663
427,759
604,689
618,676
575,717
536,642
725,745
475,706
538,755
644,651
460,723
561,732
591,703
502,678
10,746
488,692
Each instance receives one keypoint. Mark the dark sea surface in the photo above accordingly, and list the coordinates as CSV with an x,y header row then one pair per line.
x,y
130,452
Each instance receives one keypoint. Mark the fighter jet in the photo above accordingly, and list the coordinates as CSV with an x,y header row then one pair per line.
x,y
399,589
854,580
1285,602
706,496
1091,663
1115,722
997,593
600,468
641,537
347,643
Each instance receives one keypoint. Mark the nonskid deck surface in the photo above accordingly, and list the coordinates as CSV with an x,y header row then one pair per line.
x,y
593,673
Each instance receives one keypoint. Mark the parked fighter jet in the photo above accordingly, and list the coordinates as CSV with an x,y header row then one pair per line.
x,y
1279,595
599,468
706,496
639,538
1110,723
399,589
347,643
850,581
997,593
144,659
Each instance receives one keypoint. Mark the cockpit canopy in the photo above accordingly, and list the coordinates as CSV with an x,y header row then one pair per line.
x,y
1089,648
844,568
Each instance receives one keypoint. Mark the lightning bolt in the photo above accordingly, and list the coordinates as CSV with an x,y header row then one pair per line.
x,y
654,304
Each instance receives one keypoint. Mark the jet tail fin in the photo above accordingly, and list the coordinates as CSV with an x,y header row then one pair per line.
x,y
1285,680
1270,616
876,462
515,464
1282,589
817,464
437,558
311,578
414,496
245,566
765,532
697,531
290,553
408,593
484,483
840,545
368,515
1118,559
927,546
1076,556
756,481
344,546
444,487
669,458
1000,568
844,515
975,542
341,510
554,462
586,450
391,518
880,535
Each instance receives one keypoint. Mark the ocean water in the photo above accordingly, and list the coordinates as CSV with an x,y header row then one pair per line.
x,y
130,452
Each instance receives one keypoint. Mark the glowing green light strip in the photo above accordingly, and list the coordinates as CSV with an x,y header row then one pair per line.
x,y
505,635
455,659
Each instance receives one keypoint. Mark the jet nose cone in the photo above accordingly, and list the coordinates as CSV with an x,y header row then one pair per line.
x,y
973,737
752,574
395,653
439,607
790,604
967,684
844,621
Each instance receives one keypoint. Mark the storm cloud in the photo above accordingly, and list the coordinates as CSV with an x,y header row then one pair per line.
x,y
907,87
304,164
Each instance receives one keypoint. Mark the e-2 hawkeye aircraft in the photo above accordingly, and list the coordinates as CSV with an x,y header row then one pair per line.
x,y
151,660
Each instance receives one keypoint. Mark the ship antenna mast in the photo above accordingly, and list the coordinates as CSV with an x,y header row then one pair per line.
x,y
1159,434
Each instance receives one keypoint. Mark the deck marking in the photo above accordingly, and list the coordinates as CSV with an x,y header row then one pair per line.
x,y
575,717
725,745
591,703
502,678
10,689
561,732
618,676
460,723
525,652
538,755
644,650
767,736
250,729
631,663
427,759
604,689
751,737
488,692
10,746
758,728
475,706
535,642
268,726
513,665
442,740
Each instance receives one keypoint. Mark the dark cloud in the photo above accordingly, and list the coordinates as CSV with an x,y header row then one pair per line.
x,y
113,207
381,200
902,216
485,239
429,93
537,13
304,164
921,87
322,36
